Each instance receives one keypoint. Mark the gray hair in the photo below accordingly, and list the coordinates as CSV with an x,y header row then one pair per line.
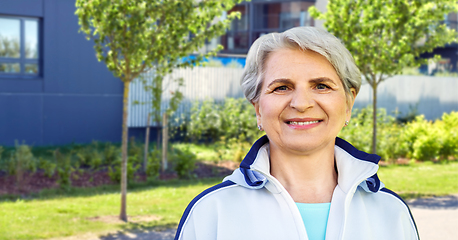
x,y
302,38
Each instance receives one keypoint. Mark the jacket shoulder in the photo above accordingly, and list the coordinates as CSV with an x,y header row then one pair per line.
x,y
386,214
206,193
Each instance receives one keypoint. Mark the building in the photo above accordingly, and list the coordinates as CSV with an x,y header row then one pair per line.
x,y
52,88
260,17
264,16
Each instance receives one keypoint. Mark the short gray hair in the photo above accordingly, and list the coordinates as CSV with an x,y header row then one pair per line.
x,y
302,38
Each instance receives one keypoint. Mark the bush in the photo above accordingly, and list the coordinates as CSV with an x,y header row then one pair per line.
x,y
449,126
359,133
110,152
21,160
64,169
231,124
48,167
114,171
154,164
427,140
84,155
184,162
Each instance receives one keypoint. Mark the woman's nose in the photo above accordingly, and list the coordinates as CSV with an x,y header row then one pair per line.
x,y
302,100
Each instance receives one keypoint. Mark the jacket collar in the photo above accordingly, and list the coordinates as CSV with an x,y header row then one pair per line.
x,y
355,167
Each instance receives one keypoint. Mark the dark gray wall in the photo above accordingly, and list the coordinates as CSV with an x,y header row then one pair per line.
x,y
76,99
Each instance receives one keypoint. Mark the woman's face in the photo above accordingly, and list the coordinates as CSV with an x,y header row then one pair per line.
x,y
302,105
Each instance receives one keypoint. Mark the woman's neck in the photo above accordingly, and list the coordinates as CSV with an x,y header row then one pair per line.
x,y
308,178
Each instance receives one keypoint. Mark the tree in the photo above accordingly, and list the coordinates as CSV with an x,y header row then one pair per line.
x,y
386,36
135,36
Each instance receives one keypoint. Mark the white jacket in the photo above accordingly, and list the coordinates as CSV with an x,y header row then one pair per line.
x,y
252,204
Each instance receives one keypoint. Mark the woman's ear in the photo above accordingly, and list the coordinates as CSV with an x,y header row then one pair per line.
x,y
351,102
258,112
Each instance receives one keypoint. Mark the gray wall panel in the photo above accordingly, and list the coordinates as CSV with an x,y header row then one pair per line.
x,y
21,119
82,118
22,7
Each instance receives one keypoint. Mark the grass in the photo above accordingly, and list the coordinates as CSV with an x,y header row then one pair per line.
x,y
55,214
421,179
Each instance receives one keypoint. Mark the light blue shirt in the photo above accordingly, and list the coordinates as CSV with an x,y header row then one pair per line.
x,y
315,218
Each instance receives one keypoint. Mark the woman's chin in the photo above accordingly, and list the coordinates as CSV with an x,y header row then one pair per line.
x,y
304,146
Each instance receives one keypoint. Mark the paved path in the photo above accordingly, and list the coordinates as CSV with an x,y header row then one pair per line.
x,y
436,218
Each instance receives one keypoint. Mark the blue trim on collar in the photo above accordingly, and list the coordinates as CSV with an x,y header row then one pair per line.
x,y
357,153
373,183
195,200
251,155
252,178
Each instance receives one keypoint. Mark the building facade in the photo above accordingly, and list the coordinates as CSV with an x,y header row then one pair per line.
x,y
260,17
53,90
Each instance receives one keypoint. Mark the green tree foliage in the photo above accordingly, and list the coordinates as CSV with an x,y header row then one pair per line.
x,y
135,36
388,36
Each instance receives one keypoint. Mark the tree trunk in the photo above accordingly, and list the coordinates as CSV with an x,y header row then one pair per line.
x,y
145,152
165,140
158,132
123,214
374,118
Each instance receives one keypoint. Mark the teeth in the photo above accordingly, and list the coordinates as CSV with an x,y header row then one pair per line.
x,y
303,123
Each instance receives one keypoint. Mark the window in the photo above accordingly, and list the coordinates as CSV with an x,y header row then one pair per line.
x,y
281,16
19,46
259,17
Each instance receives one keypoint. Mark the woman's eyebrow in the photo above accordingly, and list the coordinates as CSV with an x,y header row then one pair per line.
x,y
280,81
322,80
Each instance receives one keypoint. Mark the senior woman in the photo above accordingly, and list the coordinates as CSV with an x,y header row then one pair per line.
x,y
300,181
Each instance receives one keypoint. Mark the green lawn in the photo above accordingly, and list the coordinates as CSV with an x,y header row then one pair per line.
x,y
421,179
70,215
53,214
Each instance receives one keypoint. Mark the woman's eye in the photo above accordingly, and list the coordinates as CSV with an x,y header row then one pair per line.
x,y
281,88
321,86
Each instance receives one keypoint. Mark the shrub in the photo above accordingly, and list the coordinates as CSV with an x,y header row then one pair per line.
x,y
114,171
154,164
184,162
135,152
206,121
96,159
231,124
359,133
20,161
48,167
110,152
84,155
449,126
427,140
64,169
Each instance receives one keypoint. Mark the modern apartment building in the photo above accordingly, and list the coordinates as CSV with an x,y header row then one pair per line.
x,y
265,16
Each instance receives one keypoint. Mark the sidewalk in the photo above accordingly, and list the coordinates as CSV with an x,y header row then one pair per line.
x,y
437,217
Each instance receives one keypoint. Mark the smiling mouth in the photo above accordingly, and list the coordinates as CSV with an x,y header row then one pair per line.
x,y
302,123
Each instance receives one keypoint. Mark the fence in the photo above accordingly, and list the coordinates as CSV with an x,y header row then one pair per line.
x,y
431,96
199,83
